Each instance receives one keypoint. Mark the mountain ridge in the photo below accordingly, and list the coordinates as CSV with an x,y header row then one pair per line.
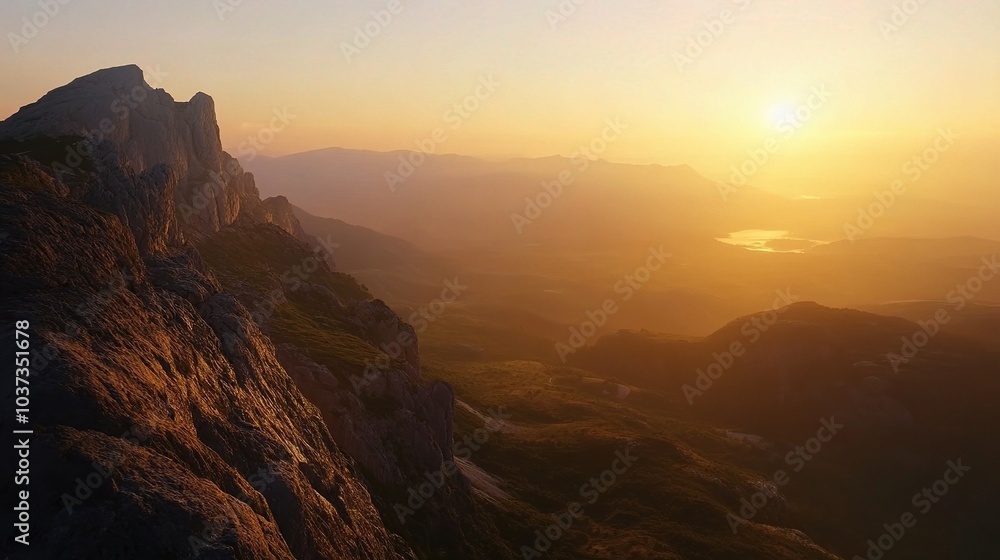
x,y
144,332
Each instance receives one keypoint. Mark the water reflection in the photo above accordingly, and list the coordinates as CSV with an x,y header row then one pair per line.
x,y
770,241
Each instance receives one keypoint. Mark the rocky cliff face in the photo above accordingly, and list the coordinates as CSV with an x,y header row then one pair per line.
x,y
168,423
185,445
359,363
278,211
132,133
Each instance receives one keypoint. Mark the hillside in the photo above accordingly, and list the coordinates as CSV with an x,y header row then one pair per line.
x,y
906,412
195,359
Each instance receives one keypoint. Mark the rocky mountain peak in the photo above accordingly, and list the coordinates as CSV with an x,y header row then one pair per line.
x,y
200,317
154,151
118,106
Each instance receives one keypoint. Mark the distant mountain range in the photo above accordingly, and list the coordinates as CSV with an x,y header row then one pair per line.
x,y
433,199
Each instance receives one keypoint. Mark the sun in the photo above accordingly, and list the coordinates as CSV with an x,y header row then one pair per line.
x,y
780,112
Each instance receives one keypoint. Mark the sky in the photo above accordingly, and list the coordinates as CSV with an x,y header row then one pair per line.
x,y
814,97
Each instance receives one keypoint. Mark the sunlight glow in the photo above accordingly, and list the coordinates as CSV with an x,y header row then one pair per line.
x,y
780,112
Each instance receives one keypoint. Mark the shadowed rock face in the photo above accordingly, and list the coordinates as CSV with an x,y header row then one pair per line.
x,y
158,389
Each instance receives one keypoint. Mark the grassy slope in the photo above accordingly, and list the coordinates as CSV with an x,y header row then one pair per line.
x,y
674,502
671,504
251,262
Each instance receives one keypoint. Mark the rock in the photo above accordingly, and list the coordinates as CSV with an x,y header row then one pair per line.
x,y
155,371
278,211
387,331
150,381
149,152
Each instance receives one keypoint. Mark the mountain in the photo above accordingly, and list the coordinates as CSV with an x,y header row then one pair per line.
x,y
163,168
979,322
446,200
213,375
439,200
521,247
203,382
396,269
911,397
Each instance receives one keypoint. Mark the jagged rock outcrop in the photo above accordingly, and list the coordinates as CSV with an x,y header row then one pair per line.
x,y
135,384
278,211
386,330
157,283
153,376
135,135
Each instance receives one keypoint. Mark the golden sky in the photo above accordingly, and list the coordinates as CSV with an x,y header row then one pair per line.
x,y
703,83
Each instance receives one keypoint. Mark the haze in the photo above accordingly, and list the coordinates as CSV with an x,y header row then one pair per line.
x,y
560,78
446,280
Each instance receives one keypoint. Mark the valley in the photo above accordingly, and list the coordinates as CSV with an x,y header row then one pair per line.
x,y
554,280
737,403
